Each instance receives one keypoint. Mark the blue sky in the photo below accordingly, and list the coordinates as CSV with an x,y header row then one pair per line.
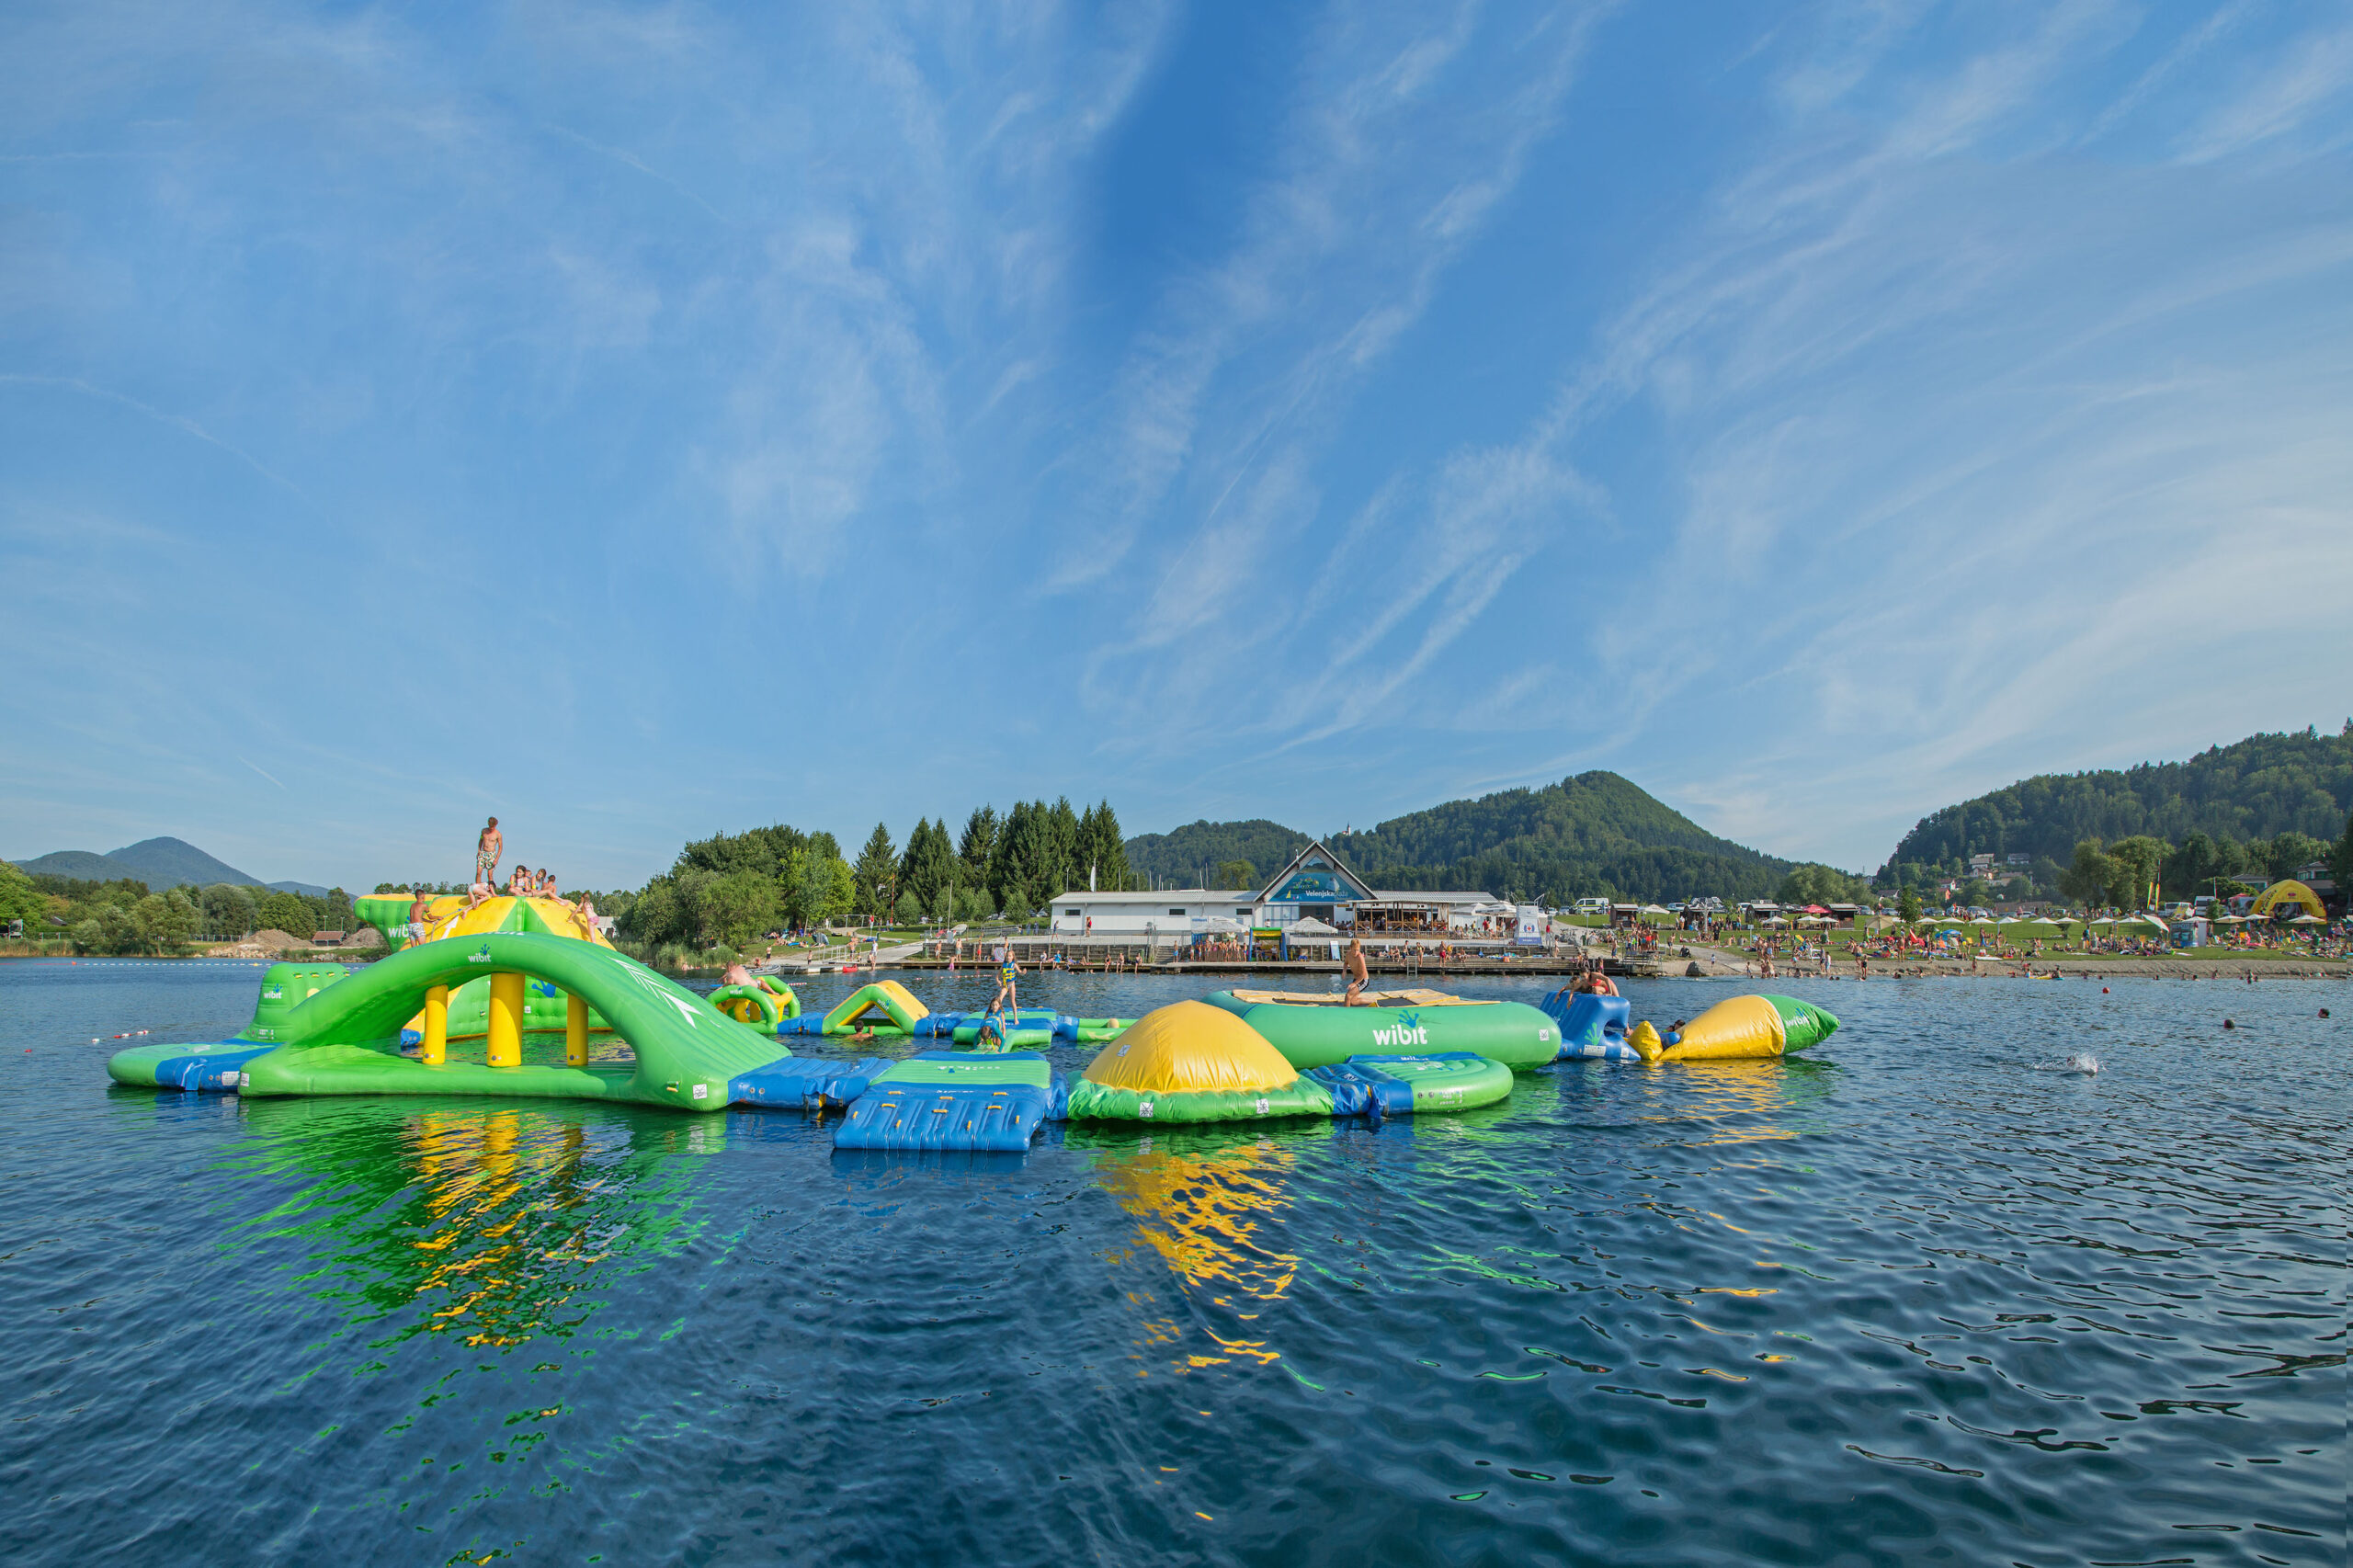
x,y
641,420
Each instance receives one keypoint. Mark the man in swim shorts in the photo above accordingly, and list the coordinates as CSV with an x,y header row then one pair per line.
x,y
1353,966
488,847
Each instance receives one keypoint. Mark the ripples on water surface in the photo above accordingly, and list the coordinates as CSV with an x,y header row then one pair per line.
x,y
1911,1300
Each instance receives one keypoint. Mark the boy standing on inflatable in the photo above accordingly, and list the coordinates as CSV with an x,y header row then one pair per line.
x,y
488,847
1353,968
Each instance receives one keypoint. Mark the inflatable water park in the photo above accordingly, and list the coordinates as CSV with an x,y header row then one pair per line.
x,y
561,1014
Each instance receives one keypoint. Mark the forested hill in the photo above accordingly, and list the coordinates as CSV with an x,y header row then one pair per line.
x,y
1593,836
1210,854
2256,789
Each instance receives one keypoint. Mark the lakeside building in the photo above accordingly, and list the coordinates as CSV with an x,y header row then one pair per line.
x,y
1314,884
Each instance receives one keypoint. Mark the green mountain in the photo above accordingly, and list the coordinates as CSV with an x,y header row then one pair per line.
x,y
158,862
81,865
2246,794
1190,855
1592,836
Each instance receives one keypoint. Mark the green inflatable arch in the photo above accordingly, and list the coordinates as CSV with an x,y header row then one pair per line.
x,y
344,1039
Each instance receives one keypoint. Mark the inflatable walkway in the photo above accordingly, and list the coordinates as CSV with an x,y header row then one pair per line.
x,y
217,1067
888,1010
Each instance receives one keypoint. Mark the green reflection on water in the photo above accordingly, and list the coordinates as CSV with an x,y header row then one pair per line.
x,y
493,1224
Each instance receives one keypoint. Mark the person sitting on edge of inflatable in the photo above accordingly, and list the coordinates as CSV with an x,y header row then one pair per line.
x,y
1353,966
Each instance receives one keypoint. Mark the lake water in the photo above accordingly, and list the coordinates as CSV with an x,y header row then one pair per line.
x,y
1912,1299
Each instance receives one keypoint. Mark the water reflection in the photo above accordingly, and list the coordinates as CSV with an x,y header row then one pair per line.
x,y
1740,1102
490,1223
1209,1205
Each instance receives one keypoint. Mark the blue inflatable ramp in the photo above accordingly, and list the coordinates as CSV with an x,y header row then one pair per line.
x,y
806,1083
1592,1028
950,1100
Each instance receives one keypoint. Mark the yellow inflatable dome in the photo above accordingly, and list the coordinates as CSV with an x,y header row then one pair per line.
x,y
1187,1046
449,916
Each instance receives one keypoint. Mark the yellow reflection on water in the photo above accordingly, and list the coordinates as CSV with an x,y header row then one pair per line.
x,y
1205,1203
1735,1102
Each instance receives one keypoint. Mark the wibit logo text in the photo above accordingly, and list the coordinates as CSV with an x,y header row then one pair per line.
x,y
1401,1034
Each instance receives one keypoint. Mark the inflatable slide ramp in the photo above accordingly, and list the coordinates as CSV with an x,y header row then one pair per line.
x,y
1593,1028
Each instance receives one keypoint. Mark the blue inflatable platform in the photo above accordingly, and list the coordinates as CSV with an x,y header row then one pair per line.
x,y
953,1100
806,1083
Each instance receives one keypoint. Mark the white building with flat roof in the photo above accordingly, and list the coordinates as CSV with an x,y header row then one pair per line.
x,y
1314,884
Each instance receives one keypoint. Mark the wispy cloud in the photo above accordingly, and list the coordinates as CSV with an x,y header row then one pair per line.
x,y
1809,418
2307,75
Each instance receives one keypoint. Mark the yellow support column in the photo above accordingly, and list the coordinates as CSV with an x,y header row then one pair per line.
x,y
435,1047
506,1020
575,1031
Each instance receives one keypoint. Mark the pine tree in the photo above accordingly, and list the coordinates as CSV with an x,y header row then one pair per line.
x,y
977,848
876,873
929,864
1061,869
1010,856
1101,850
